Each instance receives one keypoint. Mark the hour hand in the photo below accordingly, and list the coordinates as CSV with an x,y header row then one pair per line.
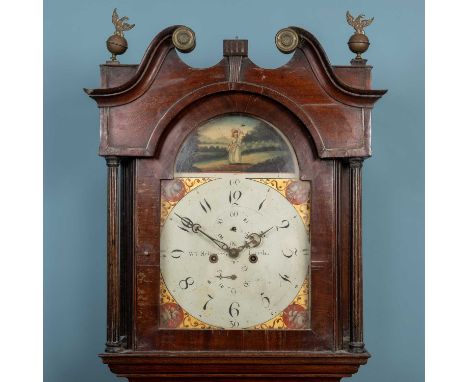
x,y
196,228
254,239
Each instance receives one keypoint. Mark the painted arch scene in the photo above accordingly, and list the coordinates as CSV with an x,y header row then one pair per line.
x,y
236,143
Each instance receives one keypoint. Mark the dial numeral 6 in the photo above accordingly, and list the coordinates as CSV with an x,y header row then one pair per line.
x,y
234,309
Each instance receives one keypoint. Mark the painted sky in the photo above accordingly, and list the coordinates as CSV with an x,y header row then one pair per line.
x,y
218,130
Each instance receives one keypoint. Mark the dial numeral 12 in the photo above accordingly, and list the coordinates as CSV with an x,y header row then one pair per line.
x,y
234,196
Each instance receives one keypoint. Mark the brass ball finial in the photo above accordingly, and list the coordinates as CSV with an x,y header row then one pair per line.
x,y
286,40
183,39
117,44
358,43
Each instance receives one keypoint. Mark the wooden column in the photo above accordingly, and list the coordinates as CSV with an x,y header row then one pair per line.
x,y
357,338
113,343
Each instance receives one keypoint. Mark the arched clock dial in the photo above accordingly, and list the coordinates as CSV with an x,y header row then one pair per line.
x,y
234,253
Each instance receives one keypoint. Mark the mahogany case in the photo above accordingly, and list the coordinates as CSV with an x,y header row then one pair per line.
x,y
146,112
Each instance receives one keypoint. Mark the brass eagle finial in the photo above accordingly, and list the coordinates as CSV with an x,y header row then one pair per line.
x,y
116,43
120,23
358,42
358,23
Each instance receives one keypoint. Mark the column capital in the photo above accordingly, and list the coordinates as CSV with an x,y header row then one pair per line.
x,y
355,162
112,161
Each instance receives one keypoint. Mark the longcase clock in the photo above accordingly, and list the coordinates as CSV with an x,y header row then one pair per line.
x,y
234,213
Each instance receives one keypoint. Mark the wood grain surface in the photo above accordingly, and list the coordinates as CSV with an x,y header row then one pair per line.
x,y
147,111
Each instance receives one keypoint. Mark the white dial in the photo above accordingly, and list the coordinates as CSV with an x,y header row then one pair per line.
x,y
234,253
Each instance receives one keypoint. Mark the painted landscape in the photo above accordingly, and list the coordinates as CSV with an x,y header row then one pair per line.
x,y
235,143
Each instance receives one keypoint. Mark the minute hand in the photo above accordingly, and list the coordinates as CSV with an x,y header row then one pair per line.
x,y
187,222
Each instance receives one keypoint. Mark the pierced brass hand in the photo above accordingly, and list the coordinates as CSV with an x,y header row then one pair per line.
x,y
254,239
196,228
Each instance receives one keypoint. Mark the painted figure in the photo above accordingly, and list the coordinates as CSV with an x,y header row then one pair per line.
x,y
234,147
235,143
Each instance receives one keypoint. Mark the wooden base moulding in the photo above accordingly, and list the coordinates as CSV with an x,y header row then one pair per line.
x,y
234,367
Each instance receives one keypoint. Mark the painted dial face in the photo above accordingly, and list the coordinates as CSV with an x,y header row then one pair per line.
x,y
234,253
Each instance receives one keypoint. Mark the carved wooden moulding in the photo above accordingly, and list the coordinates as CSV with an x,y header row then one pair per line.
x,y
299,132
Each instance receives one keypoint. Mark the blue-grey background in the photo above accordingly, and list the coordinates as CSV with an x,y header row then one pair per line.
x,y
74,213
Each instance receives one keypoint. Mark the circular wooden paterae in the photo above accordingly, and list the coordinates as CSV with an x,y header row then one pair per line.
x,y
183,39
286,40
